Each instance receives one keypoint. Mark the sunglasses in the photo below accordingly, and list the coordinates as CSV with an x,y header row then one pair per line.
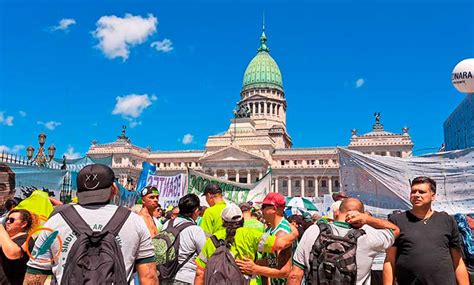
x,y
11,220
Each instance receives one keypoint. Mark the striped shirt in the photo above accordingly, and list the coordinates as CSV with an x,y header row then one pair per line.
x,y
284,226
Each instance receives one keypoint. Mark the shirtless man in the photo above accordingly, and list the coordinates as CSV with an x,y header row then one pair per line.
x,y
150,203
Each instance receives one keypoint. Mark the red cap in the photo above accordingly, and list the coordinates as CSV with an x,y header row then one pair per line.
x,y
275,199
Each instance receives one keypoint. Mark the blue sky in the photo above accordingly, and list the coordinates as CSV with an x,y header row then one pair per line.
x,y
172,70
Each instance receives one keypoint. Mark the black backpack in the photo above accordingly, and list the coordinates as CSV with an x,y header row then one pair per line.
x,y
166,245
333,258
95,257
221,268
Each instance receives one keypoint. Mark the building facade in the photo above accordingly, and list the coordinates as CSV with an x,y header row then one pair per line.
x,y
257,140
459,126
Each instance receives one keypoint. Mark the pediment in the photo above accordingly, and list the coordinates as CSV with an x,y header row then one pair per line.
x,y
231,153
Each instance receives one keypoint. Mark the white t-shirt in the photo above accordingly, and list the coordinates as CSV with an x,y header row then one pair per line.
x,y
191,239
368,246
134,239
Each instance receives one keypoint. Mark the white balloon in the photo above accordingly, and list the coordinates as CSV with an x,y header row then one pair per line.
x,y
463,76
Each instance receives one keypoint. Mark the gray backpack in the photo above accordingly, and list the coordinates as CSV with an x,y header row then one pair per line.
x,y
333,258
221,268
95,257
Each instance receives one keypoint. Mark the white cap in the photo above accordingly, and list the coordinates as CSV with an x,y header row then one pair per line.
x,y
232,213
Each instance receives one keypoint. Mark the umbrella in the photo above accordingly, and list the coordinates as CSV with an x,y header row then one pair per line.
x,y
300,203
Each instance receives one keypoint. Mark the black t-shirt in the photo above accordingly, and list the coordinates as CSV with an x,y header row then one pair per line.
x,y
13,271
423,249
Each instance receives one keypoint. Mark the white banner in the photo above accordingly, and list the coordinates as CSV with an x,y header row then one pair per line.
x,y
171,188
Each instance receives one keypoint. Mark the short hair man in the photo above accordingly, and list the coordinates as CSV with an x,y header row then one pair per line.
x,y
428,249
96,188
379,235
150,197
191,239
250,221
276,265
211,221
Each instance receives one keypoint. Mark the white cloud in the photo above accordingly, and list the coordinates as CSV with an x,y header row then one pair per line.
x,y
134,123
117,35
132,106
6,120
63,25
51,125
187,139
14,149
22,113
71,154
165,45
359,82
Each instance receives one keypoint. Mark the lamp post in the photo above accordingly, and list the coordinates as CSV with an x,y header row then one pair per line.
x,y
41,158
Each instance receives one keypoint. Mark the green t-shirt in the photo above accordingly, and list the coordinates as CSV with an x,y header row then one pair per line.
x,y
211,220
247,242
284,226
254,224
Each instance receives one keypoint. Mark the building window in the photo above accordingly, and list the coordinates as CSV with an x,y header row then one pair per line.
x,y
134,162
399,153
384,153
282,162
310,183
284,183
297,183
336,183
118,160
324,183
334,161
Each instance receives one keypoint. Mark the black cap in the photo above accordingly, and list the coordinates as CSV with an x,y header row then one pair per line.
x,y
94,184
245,206
212,189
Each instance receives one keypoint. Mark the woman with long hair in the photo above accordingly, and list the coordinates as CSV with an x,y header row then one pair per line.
x,y
13,256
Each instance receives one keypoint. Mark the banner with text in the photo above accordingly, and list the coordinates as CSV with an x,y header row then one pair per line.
x,y
171,188
232,191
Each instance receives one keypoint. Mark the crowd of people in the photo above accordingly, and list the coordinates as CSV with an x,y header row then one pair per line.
x,y
96,242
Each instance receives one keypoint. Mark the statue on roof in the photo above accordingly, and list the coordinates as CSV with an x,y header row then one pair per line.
x,y
377,117
241,111
123,135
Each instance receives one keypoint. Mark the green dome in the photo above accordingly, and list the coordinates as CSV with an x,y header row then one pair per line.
x,y
262,70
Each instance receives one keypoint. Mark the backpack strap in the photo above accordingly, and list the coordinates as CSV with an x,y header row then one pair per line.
x,y
354,234
215,241
117,220
324,228
74,220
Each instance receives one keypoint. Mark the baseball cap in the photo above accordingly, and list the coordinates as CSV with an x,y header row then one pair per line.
x,y
231,213
94,184
212,189
275,199
245,206
150,190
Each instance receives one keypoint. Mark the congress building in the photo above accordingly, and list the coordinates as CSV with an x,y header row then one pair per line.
x,y
257,140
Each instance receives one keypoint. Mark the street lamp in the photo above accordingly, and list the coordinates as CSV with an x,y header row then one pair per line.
x,y
40,157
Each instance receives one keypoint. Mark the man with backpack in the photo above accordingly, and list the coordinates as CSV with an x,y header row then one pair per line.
x,y
216,263
342,252
184,240
93,242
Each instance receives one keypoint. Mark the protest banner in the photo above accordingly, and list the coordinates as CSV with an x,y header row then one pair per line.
x,y
171,188
232,191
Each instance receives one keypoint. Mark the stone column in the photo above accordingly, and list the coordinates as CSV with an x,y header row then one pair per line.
x,y
226,174
289,186
302,186
330,185
215,173
260,174
276,184
237,176
316,190
249,177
